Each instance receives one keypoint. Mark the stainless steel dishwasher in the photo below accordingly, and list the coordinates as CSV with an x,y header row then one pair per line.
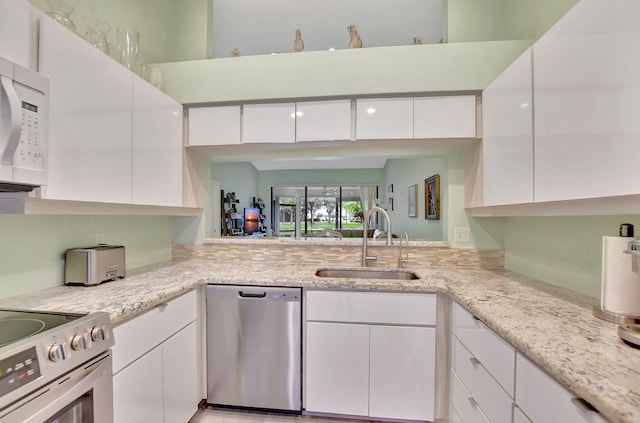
x,y
254,347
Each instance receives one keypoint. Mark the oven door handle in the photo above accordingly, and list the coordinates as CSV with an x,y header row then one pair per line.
x,y
63,392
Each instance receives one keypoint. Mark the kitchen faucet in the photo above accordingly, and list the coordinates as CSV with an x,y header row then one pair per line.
x,y
403,259
365,257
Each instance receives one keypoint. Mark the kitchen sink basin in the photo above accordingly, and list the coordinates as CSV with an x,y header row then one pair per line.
x,y
367,274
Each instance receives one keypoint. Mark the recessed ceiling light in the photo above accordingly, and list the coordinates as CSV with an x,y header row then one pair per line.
x,y
524,105
371,110
332,49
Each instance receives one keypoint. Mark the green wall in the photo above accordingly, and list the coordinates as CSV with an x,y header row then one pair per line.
x,y
486,20
32,248
241,178
564,251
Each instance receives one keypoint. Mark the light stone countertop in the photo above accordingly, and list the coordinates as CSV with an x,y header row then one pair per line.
x,y
552,326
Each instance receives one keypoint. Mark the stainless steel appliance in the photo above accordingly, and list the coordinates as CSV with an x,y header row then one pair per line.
x,y
254,347
55,367
94,265
24,117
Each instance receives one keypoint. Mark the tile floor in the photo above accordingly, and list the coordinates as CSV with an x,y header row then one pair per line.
x,y
209,415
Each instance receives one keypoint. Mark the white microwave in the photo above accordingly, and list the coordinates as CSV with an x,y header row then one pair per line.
x,y
24,127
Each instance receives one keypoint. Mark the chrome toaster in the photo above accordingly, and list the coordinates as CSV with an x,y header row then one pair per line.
x,y
94,265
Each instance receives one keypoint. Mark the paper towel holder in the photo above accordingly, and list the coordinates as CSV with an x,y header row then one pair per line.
x,y
633,248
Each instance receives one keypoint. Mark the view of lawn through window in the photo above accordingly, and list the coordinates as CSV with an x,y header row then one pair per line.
x,y
310,210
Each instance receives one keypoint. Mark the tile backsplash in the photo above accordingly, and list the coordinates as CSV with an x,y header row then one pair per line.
x,y
339,254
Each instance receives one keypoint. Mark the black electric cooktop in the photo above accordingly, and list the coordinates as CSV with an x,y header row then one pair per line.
x,y
17,325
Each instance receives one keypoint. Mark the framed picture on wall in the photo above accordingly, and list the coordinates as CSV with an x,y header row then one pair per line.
x,y
413,204
432,198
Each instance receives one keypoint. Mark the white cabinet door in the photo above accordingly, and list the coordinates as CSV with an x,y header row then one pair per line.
x,y
444,117
544,400
90,120
214,125
402,372
269,123
586,90
138,392
323,120
384,118
337,368
180,376
157,147
507,143
15,26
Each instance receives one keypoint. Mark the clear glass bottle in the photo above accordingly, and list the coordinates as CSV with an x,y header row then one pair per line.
x,y
61,12
96,34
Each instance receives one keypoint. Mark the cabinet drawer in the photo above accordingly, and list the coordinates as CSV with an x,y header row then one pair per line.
x,y
463,403
495,354
369,307
495,403
137,336
544,400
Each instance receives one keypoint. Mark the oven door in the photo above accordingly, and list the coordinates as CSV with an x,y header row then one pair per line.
x,y
84,395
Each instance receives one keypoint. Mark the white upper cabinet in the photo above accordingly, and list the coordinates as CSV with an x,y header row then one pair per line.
x,y
444,117
90,121
269,123
384,118
114,137
157,147
507,144
214,125
323,120
586,91
15,24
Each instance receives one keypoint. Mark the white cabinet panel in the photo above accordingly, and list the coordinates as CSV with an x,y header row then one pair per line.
x,y
546,401
135,337
444,117
402,372
507,143
157,147
494,401
464,404
337,368
269,123
138,392
384,118
90,121
372,307
180,375
519,416
586,91
323,120
15,25
495,354
214,125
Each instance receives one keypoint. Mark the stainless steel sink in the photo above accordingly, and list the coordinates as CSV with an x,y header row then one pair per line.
x,y
367,274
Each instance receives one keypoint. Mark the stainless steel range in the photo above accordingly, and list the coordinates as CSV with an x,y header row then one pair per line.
x,y
55,367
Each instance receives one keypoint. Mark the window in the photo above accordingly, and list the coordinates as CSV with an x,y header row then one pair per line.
x,y
312,210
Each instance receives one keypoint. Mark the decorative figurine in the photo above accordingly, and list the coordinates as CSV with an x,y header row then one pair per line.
x,y
235,52
417,40
298,44
354,38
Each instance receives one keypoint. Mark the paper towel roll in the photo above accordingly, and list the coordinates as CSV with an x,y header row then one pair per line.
x,y
620,285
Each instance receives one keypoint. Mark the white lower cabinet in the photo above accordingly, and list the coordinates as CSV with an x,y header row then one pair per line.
x,y
482,371
356,367
137,390
402,370
155,365
544,400
337,368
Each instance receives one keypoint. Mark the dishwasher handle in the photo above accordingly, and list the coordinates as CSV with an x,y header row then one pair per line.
x,y
244,294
